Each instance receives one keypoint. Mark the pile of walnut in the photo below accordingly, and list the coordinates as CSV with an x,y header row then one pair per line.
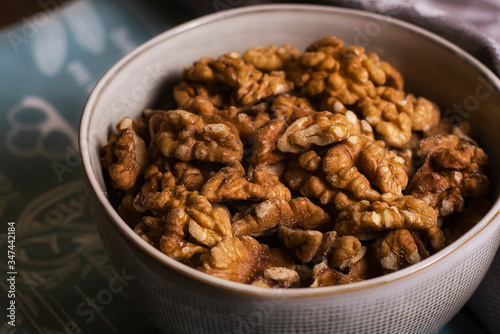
x,y
288,169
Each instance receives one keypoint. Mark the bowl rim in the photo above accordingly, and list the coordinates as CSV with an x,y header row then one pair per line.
x,y
163,259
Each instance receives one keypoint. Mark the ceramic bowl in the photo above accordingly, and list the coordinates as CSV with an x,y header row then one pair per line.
x,y
180,299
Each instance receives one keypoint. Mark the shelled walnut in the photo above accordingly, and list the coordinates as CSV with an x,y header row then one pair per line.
x,y
287,169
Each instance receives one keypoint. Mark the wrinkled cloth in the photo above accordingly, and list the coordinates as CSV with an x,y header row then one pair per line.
x,y
474,26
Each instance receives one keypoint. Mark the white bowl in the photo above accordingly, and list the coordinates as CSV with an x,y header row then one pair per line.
x,y
180,299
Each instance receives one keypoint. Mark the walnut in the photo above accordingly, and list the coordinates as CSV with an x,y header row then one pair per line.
x,y
326,246
264,150
240,120
394,115
430,241
373,66
393,77
188,136
309,185
332,104
269,84
261,107
384,117
150,229
276,169
299,212
347,250
305,174
280,271
209,223
260,119
453,170
312,68
202,106
199,220
191,175
440,190
169,234
398,250
346,73
248,83
305,243
361,127
321,128
282,277
407,153
403,103
161,191
384,168
310,161
185,90
324,275
449,151
120,160
236,259
125,156
230,184
424,115
271,58
278,277
199,105
300,113
343,199
284,105
201,71
188,175
174,241
357,76
388,212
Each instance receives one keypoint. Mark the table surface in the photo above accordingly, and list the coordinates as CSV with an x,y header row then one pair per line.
x,y
49,63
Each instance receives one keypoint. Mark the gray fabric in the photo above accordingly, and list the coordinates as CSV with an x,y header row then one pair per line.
x,y
473,25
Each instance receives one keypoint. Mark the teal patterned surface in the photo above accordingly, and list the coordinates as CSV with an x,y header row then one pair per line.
x,y
64,283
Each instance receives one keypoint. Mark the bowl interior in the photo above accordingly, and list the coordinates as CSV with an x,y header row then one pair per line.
x,y
432,68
